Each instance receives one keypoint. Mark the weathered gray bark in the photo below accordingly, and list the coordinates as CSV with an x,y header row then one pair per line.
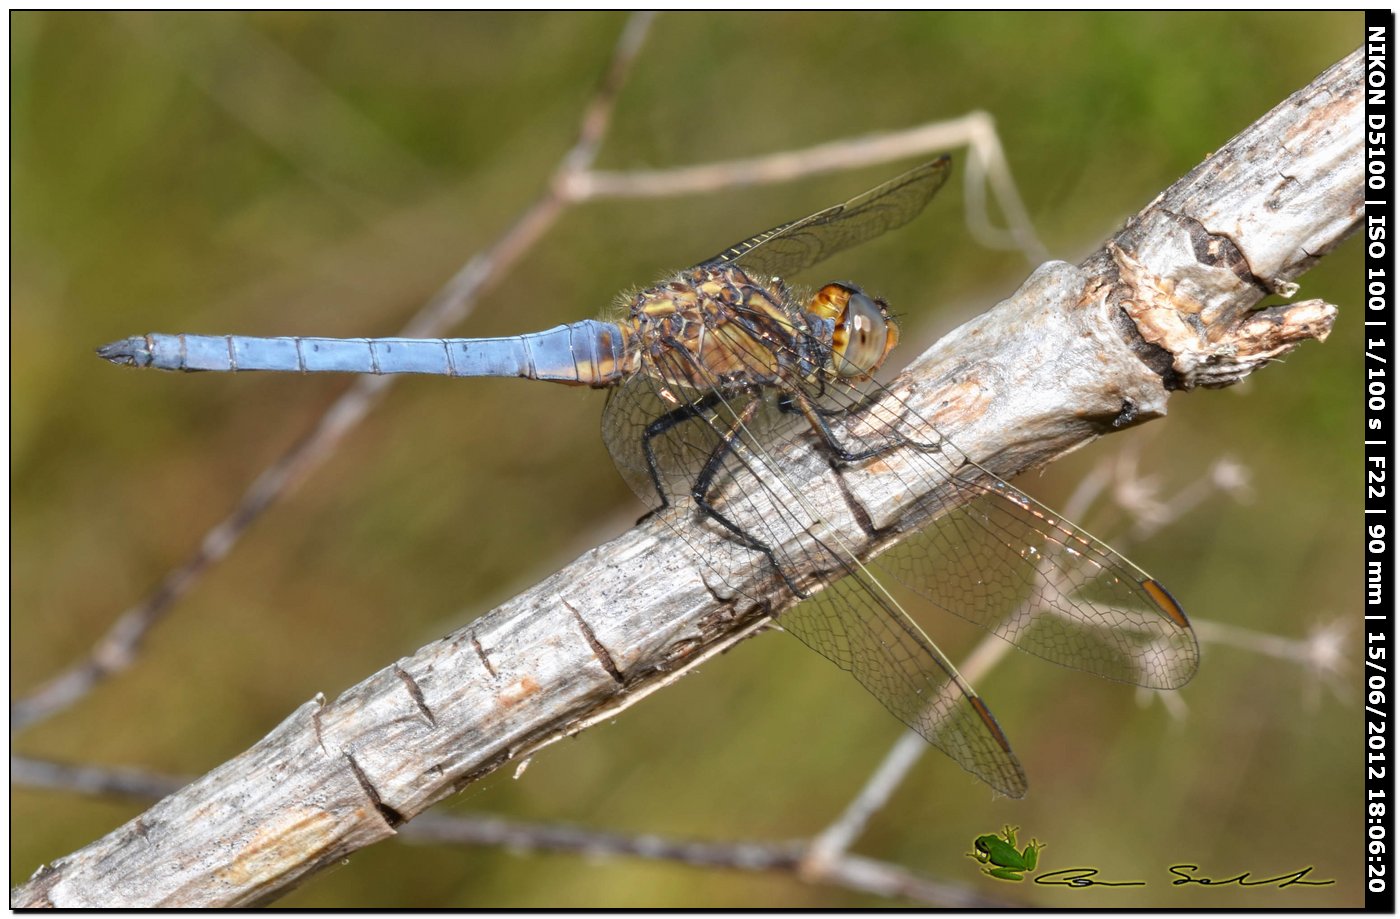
x,y
1166,304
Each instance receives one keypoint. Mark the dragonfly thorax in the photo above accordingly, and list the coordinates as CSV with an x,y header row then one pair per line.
x,y
714,325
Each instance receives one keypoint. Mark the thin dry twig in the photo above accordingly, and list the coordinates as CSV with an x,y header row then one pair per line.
x,y
832,843
854,873
1321,653
97,781
986,164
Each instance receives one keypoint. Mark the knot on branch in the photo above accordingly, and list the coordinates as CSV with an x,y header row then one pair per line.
x,y
1212,353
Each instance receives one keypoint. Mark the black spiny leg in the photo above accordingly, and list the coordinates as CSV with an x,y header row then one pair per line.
x,y
706,480
799,402
785,404
660,426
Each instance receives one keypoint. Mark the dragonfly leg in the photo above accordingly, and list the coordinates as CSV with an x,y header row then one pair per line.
x,y
785,404
660,426
706,480
801,403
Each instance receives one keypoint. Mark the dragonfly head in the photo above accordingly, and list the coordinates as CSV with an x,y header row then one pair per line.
x,y
863,331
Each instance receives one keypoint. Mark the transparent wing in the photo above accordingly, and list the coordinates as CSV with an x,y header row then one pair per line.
x,y
858,626
1010,565
854,623
980,549
790,247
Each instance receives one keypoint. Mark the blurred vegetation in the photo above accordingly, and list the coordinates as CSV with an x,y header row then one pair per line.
x,y
300,173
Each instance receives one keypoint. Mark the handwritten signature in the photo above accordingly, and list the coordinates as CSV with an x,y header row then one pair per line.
x,y
1185,873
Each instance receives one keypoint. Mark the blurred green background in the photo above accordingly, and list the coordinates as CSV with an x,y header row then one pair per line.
x,y
294,173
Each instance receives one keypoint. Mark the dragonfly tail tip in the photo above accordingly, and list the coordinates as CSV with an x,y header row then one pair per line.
x,y
126,352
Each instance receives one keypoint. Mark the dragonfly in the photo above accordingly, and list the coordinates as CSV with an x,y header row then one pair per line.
x,y
735,400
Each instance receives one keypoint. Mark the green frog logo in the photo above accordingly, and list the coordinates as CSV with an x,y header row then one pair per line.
x,y
1001,859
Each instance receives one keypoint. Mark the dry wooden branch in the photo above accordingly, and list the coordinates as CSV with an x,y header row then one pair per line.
x,y
1077,352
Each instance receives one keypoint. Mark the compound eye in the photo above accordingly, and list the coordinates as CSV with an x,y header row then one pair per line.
x,y
864,335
